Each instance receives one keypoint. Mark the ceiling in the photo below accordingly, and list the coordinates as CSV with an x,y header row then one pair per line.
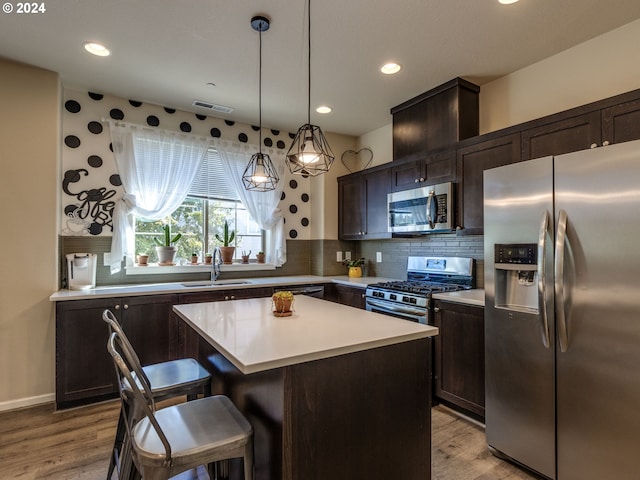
x,y
167,51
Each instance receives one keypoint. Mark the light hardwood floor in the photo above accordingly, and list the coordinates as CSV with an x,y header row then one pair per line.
x,y
38,443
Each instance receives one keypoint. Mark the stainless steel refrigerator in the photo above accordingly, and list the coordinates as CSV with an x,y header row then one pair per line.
x,y
562,318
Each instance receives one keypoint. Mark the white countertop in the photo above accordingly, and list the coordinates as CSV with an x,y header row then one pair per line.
x,y
199,286
469,297
253,339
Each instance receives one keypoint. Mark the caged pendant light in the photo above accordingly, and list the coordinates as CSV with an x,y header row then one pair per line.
x,y
260,174
309,154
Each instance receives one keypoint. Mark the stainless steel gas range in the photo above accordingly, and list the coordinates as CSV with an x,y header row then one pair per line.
x,y
411,299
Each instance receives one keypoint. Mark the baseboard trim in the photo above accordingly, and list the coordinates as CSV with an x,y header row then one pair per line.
x,y
27,402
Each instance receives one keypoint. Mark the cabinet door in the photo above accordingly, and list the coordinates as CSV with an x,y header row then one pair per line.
x,y
150,327
351,208
621,123
406,175
222,295
459,355
377,186
440,167
564,136
471,163
84,368
352,296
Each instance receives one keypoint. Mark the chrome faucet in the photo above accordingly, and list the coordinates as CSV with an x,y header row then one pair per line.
x,y
215,267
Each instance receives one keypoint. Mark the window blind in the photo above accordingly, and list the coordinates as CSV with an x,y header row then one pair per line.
x,y
211,180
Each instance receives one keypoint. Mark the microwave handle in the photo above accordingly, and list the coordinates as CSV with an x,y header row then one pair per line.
x,y
432,211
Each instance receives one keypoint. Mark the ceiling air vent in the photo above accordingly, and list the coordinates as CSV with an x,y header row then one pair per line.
x,y
212,106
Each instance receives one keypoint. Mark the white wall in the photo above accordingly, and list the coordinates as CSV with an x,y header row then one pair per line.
x,y
29,155
599,68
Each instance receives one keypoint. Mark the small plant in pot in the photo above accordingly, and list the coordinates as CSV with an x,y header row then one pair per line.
x,y
226,251
355,267
260,257
166,247
282,303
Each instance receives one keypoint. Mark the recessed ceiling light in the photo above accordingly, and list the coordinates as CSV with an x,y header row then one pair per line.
x,y
390,68
323,109
96,49
507,2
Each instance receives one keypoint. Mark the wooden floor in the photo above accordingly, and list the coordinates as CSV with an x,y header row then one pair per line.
x,y
38,443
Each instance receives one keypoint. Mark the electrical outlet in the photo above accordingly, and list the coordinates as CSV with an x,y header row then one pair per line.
x,y
347,255
338,256
379,257
106,259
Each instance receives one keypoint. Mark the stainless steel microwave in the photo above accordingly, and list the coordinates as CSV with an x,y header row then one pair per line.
x,y
421,210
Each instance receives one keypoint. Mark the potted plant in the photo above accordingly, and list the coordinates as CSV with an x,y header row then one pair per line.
x,y
194,258
355,267
226,251
166,248
282,303
260,257
245,256
208,258
143,259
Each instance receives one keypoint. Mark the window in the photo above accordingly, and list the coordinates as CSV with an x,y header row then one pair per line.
x,y
210,202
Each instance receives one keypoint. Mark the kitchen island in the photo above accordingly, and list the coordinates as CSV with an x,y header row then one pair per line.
x,y
331,391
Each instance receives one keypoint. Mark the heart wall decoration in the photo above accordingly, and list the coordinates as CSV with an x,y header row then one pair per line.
x,y
359,160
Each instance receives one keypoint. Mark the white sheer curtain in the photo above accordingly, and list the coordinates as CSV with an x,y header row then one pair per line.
x,y
262,206
156,168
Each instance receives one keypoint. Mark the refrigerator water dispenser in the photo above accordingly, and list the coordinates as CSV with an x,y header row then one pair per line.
x,y
516,277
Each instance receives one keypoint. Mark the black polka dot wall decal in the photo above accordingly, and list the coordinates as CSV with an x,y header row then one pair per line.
x,y
293,209
169,110
200,116
95,229
115,180
292,135
305,222
215,132
185,127
96,96
135,103
283,196
275,132
305,197
243,138
153,121
94,127
230,122
255,128
268,142
293,233
72,176
111,146
69,209
72,141
116,114
94,161
72,106
280,144
293,184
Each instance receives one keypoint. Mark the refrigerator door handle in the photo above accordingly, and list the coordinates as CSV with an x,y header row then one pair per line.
x,y
542,292
561,242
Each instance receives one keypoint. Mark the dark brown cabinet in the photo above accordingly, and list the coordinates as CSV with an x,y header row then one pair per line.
x,y
223,295
345,294
435,119
362,205
436,168
472,161
84,369
562,136
459,356
621,123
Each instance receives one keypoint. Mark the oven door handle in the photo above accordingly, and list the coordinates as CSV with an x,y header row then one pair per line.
x,y
393,308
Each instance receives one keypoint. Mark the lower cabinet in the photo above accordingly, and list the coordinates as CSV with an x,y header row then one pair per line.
x,y
84,369
459,356
345,294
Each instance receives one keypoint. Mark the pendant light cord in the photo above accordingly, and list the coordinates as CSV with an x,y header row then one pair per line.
x,y
309,63
260,93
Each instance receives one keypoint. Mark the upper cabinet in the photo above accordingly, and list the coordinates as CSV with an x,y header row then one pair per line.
x,y
435,168
435,120
362,205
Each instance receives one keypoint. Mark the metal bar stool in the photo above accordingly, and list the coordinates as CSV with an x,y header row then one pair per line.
x,y
178,438
167,380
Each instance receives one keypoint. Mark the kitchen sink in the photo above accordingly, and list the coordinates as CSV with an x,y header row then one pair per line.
x,y
209,283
